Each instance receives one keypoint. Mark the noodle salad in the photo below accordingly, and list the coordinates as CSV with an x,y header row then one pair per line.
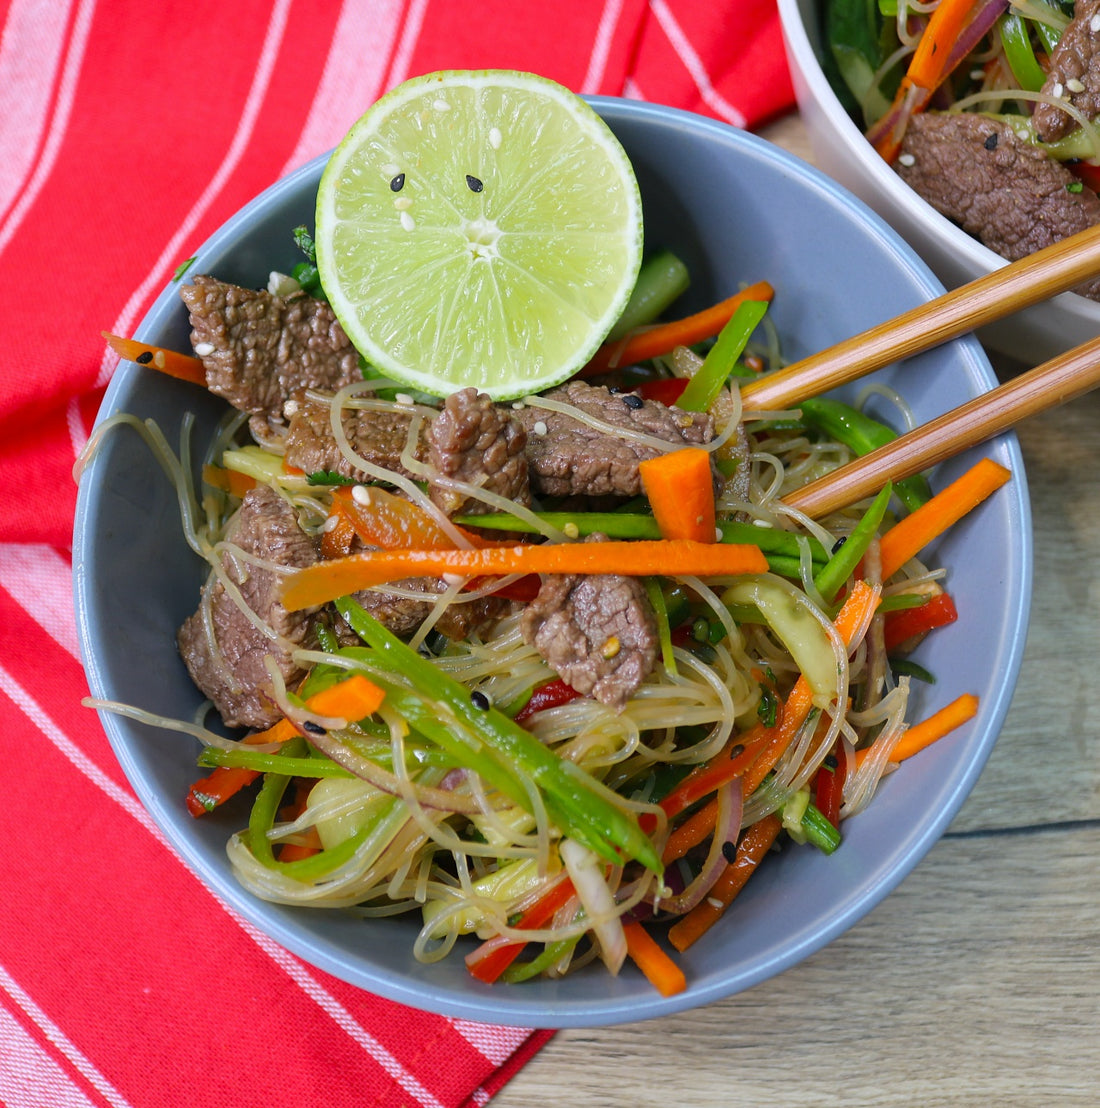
x,y
986,108
553,675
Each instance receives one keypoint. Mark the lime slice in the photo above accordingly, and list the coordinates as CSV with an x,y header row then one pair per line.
x,y
479,228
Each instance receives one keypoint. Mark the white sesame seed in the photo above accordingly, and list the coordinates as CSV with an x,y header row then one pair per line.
x,y
1094,24
517,404
441,105
571,530
761,523
714,902
977,74
402,203
390,170
453,578
204,348
494,137
330,524
290,408
403,398
407,221
907,159
1074,85
539,428
361,495
1058,89
718,534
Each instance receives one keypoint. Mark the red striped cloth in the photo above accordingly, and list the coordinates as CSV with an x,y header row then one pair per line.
x,y
128,132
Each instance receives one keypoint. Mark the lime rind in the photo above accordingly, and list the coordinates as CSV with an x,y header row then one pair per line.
x,y
508,287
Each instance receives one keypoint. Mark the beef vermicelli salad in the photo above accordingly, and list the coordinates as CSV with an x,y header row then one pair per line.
x,y
551,670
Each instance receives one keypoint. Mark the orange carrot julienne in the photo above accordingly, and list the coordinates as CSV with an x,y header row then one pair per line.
x,y
352,699
680,488
928,731
174,364
324,581
231,480
645,952
910,535
928,66
665,337
755,843
851,621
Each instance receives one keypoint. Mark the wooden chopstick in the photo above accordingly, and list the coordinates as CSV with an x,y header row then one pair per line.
x,y
1055,382
1015,286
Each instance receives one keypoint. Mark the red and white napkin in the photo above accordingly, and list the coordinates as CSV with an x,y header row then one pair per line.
x,y
129,131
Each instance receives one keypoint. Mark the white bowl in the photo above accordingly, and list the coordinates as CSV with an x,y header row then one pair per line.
x,y
1032,336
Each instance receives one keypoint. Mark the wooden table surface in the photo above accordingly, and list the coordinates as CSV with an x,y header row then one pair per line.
x,y
977,982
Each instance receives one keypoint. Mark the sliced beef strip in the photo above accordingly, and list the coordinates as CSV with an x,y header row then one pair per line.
x,y
234,676
379,437
260,350
1074,75
479,443
997,187
403,615
569,458
597,632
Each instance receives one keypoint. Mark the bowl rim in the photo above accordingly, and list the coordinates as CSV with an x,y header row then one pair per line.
x,y
511,1008
979,256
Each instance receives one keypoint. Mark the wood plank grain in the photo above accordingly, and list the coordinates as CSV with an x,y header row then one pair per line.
x,y
975,983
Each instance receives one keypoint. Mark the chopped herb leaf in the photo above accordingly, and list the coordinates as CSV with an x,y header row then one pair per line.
x,y
328,477
182,268
766,709
304,241
1075,186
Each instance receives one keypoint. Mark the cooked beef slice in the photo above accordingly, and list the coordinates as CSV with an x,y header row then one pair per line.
x,y
997,187
377,436
479,443
260,350
597,632
1074,75
569,458
233,676
403,615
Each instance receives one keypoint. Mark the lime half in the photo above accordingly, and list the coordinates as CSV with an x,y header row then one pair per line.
x,y
479,228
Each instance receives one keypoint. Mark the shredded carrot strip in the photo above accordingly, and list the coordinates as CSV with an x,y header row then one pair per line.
x,y
680,488
661,339
354,698
174,364
660,970
851,621
324,581
691,832
755,843
911,534
233,482
928,731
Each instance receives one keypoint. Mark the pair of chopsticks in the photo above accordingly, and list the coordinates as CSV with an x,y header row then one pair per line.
x,y
1039,276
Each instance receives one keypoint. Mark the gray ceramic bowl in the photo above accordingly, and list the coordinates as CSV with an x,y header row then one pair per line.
x,y
737,209
1031,336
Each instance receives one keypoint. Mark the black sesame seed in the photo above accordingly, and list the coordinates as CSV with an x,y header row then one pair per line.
x,y
473,183
480,701
991,142
729,852
633,400
830,761
144,358
737,750
839,543
312,728
398,183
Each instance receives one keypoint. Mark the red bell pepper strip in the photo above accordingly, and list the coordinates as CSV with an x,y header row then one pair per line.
x,y
829,785
550,695
665,389
905,623
490,959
